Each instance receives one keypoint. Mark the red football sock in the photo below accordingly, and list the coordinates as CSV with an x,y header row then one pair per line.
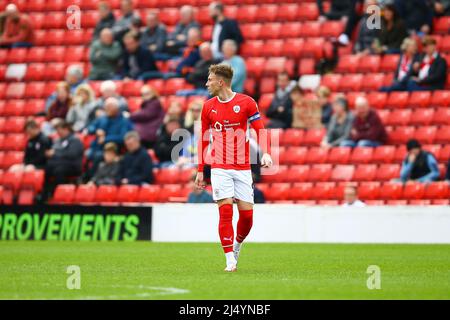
x,y
226,231
244,224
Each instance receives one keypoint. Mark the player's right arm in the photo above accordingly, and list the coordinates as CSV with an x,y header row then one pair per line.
x,y
203,143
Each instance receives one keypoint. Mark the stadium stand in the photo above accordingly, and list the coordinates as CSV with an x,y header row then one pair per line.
x,y
281,35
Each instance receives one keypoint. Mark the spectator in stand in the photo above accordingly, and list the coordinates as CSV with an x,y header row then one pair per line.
x,y
108,89
223,29
447,176
175,111
366,34
198,195
58,109
430,73
138,62
124,23
191,54
84,104
367,129
340,124
36,148
404,68
111,127
229,49
17,29
164,144
64,159
154,36
419,165
417,14
136,167
108,169
149,118
351,198
177,39
193,114
442,8
105,54
199,74
74,77
323,96
280,110
107,18
393,32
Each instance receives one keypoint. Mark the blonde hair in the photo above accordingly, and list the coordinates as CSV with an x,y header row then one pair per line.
x,y
222,70
189,117
87,89
407,42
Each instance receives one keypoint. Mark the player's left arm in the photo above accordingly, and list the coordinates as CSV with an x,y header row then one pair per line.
x,y
263,137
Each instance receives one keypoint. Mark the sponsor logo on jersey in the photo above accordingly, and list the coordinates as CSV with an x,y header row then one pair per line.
x,y
218,126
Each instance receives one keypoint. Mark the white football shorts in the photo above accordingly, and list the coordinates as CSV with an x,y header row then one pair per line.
x,y
230,183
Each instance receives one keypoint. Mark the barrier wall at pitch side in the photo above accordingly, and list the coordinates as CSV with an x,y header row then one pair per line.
x,y
292,223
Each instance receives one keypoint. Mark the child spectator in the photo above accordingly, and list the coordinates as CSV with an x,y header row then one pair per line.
x,y
108,169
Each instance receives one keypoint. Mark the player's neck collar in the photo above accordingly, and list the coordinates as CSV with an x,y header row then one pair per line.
x,y
226,101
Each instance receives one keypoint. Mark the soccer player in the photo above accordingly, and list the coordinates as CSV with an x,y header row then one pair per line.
x,y
226,118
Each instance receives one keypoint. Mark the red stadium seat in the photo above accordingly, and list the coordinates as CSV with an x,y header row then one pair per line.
x,y
175,84
300,191
400,153
149,193
26,197
396,202
55,20
413,191
17,55
317,155
170,16
361,155
33,179
320,173
310,29
308,11
391,191
267,12
323,191
169,193
365,172
249,86
342,173
74,38
437,190
36,54
273,48
132,88
278,191
11,158
401,135
55,37
441,25
348,64
314,137
35,72
293,137
13,108
443,135
64,194
15,142
294,155
275,65
370,63
298,173
264,101
440,98
15,90
12,180
281,175
399,117
291,30
85,194
307,66
426,134
313,47
372,81
255,66
106,194
422,117
35,90
128,193
419,202
397,99
14,125
339,155
56,5
247,14
377,99
420,99
442,116
389,62
251,31
369,190
387,172
351,82
293,48
331,81
252,48
75,54
54,71
287,12
332,29
267,85
435,149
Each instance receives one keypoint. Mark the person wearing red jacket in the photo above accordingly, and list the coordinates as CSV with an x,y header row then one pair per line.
x,y
17,30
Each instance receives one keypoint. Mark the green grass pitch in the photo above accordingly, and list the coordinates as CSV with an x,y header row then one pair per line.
x,y
145,270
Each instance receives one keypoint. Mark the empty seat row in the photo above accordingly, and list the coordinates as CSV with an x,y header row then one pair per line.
x,y
366,191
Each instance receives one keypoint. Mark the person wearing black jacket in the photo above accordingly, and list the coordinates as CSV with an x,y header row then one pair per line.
x,y
138,62
136,167
223,29
280,110
430,73
64,158
164,144
107,18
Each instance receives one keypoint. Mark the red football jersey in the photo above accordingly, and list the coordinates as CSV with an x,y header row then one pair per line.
x,y
227,124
